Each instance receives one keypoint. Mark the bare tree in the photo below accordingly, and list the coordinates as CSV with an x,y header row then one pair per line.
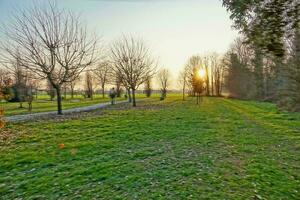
x,y
31,85
73,83
243,50
163,77
132,61
23,83
128,92
103,74
207,80
5,83
183,76
33,82
20,78
192,67
219,77
51,43
50,91
89,85
118,84
214,71
19,84
3,76
148,87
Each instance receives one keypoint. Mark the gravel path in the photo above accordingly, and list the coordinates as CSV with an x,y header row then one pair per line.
x,y
53,114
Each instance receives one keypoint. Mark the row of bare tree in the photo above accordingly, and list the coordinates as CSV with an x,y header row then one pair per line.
x,y
51,44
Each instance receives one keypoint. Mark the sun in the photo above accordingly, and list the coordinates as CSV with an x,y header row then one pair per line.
x,y
202,73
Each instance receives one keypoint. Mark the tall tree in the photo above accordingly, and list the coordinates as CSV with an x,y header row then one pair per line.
x,y
193,66
148,87
293,91
50,90
103,75
118,84
89,89
183,75
265,22
214,62
219,77
4,74
23,83
132,61
207,80
258,74
19,84
73,84
238,80
163,77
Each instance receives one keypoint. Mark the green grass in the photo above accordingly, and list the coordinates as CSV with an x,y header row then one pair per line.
x,y
221,149
43,104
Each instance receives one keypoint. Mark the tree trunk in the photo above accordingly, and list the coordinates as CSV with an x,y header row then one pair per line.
x,y
59,106
65,92
133,98
129,95
103,92
118,90
72,92
30,106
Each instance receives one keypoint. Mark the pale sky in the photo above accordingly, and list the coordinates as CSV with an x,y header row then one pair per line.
x,y
173,29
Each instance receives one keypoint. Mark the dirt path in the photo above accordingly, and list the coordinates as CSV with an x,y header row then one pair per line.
x,y
53,114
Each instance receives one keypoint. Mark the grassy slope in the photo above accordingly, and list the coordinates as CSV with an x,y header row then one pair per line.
x,y
222,149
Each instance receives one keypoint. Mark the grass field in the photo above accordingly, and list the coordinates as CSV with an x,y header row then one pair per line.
x,y
47,105
221,149
43,104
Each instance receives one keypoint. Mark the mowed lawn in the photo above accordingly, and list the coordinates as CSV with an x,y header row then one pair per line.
x,y
43,104
221,149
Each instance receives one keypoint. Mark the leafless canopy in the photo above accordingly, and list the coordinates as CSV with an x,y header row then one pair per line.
x,y
132,61
164,81
103,74
182,80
